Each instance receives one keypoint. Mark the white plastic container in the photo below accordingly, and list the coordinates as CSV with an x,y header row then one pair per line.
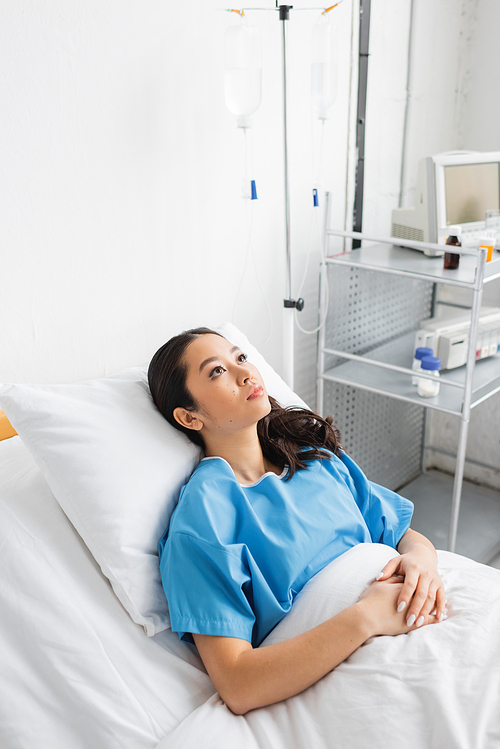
x,y
429,388
324,64
242,71
419,354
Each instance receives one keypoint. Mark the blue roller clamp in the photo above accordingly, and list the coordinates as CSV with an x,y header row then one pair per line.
x,y
254,190
315,198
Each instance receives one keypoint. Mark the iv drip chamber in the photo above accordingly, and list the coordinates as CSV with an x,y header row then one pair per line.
x,y
242,71
324,65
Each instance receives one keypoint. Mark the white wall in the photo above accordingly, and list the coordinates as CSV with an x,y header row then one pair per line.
x,y
117,150
478,126
122,220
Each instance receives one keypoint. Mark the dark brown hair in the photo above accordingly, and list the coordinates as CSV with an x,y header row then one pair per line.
x,y
288,436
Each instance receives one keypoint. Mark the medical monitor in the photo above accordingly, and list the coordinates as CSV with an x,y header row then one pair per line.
x,y
469,191
455,188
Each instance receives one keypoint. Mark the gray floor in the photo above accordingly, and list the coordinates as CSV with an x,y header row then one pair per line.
x,y
478,534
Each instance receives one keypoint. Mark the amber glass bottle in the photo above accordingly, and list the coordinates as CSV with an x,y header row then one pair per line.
x,y
452,259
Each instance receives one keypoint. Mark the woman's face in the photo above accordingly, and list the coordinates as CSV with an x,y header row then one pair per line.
x,y
228,389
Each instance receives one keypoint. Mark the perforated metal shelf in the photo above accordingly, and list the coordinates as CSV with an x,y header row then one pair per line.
x,y
399,352
368,311
372,432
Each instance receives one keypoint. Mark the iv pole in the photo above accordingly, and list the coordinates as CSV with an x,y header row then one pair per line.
x,y
289,304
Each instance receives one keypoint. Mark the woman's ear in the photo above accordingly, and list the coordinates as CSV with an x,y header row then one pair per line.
x,y
187,419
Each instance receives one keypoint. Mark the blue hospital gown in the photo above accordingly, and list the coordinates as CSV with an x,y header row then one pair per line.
x,y
235,556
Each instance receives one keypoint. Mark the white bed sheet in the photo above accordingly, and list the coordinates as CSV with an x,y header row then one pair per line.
x,y
76,672
438,686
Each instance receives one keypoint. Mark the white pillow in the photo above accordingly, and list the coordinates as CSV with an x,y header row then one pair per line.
x,y
116,466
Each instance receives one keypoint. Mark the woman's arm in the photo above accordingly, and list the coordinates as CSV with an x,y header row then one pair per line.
x,y
423,590
247,678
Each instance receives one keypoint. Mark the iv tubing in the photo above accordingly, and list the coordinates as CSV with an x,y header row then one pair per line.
x,y
249,208
323,278
323,274
317,167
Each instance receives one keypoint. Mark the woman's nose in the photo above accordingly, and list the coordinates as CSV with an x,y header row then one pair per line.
x,y
244,374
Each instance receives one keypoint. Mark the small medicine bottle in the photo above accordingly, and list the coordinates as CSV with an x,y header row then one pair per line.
x,y
452,259
417,359
428,388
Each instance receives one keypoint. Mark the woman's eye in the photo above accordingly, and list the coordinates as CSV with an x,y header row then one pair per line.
x,y
217,371
242,358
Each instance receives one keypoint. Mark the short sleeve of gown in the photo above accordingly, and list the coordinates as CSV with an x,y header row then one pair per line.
x,y
386,513
207,588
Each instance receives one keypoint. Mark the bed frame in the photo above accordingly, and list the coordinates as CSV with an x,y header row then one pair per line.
x,y
6,428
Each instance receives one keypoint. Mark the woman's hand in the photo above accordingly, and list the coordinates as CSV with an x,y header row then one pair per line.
x,y
422,592
379,604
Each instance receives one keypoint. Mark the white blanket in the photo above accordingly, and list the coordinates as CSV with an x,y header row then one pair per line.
x,y
438,686
76,672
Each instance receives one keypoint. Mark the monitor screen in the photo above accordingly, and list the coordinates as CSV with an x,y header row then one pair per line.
x,y
471,190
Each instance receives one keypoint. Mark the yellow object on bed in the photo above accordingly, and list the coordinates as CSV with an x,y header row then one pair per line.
x,y
6,428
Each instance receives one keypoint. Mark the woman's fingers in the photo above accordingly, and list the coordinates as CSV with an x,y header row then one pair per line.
x,y
389,569
440,603
411,598
422,597
428,600
414,597
428,606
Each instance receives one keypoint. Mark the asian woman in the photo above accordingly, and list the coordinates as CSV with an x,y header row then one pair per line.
x,y
274,500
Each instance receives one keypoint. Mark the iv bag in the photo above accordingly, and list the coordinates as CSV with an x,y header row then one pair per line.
x,y
242,71
324,64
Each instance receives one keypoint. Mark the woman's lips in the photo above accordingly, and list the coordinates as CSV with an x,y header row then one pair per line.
x,y
256,392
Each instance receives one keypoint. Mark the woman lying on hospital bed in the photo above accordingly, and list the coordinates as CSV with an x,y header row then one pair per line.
x,y
274,501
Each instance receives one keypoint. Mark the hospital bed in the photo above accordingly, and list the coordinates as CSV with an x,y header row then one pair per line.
x,y
89,473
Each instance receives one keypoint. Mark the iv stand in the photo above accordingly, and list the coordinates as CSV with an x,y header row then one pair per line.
x,y
289,304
